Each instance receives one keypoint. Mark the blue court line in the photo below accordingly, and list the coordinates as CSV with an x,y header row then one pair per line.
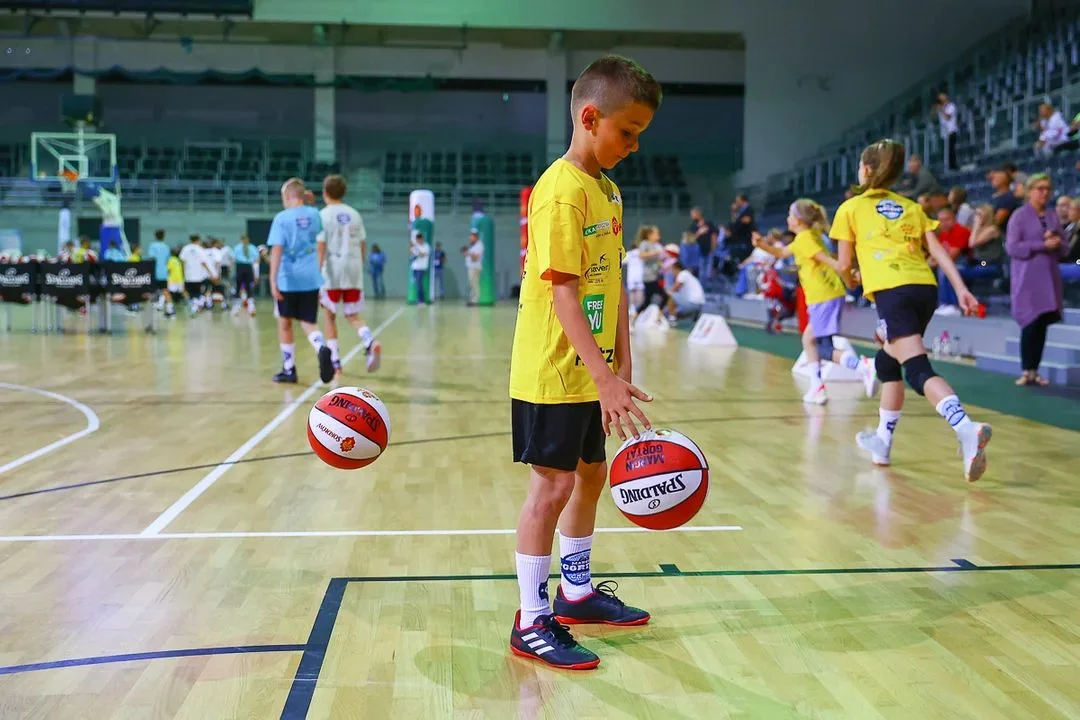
x,y
130,657
307,674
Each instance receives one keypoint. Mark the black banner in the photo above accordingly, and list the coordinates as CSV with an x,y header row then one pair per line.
x,y
18,282
66,281
131,279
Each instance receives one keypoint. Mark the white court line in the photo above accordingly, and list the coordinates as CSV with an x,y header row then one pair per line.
x,y
212,477
334,534
92,424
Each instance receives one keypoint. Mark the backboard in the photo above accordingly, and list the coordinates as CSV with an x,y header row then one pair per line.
x,y
54,156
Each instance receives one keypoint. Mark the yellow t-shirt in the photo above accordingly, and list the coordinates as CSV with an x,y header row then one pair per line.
x,y
819,282
575,228
175,270
889,234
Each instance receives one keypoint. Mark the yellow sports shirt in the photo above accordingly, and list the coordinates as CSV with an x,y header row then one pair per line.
x,y
819,282
575,228
889,233
175,269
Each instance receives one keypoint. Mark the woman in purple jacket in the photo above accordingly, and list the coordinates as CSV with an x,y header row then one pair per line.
x,y
1035,242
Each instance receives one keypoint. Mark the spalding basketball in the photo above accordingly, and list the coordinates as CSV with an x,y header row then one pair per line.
x,y
348,428
659,479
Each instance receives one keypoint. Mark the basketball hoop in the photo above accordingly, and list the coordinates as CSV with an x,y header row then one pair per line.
x,y
69,180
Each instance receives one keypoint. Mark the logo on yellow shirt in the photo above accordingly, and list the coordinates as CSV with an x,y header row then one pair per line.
x,y
890,209
594,312
596,272
603,227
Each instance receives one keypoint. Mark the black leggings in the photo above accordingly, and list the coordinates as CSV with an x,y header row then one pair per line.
x,y
1033,340
653,288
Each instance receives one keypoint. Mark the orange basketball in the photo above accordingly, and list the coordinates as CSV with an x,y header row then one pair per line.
x,y
659,480
348,428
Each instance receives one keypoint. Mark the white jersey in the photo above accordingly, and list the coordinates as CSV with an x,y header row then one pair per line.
x,y
193,256
635,270
215,257
343,231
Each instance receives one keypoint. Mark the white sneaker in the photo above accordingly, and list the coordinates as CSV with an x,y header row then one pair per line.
x,y
973,446
879,450
816,396
374,356
869,376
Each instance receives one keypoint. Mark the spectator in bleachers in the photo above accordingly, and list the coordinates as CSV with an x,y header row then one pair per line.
x,y
754,266
987,245
1035,242
376,263
706,235
739,243
965,215
690,255
1062,208
1017,181
1053,131
950,126
918,180
955,238
1004,200
1070,267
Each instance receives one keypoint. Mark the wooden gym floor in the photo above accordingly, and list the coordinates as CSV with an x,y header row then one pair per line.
x,y
171,548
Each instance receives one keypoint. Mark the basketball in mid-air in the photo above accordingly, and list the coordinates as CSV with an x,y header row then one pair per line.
x,y
659,480
349,428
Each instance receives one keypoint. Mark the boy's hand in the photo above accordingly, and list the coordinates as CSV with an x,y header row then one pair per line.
x,y
618,407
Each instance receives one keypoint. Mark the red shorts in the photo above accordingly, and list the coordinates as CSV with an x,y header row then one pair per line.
x,y
352,295
351,298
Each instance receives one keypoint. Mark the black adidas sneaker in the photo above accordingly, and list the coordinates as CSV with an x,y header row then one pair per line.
x,y
550,642
601,606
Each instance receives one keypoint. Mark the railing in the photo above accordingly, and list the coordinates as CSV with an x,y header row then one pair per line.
x,y
264,197
1007,128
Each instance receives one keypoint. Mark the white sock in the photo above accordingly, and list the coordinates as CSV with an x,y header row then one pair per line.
x,y
953,412
169,307
332,344
288,356
887,424
365,336
815,375
574,556
532,574
850,360
316,339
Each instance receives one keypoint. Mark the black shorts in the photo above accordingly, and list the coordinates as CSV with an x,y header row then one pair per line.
x,y
302,306
245,277
194,289
905,310
557,436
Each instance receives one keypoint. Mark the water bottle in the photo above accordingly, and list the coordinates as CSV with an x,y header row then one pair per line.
x,y
957,348
935,350
946,344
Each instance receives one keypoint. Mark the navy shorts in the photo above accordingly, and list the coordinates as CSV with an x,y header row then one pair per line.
x,y
302,306
906,310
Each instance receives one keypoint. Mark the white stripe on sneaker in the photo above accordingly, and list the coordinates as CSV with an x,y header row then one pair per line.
x,y
545,649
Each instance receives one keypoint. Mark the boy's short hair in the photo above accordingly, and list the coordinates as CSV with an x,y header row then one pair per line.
x,y
334,187
613,81
159,234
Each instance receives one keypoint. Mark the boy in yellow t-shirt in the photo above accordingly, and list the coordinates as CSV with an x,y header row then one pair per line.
x,y
890,236
570,369
824,291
